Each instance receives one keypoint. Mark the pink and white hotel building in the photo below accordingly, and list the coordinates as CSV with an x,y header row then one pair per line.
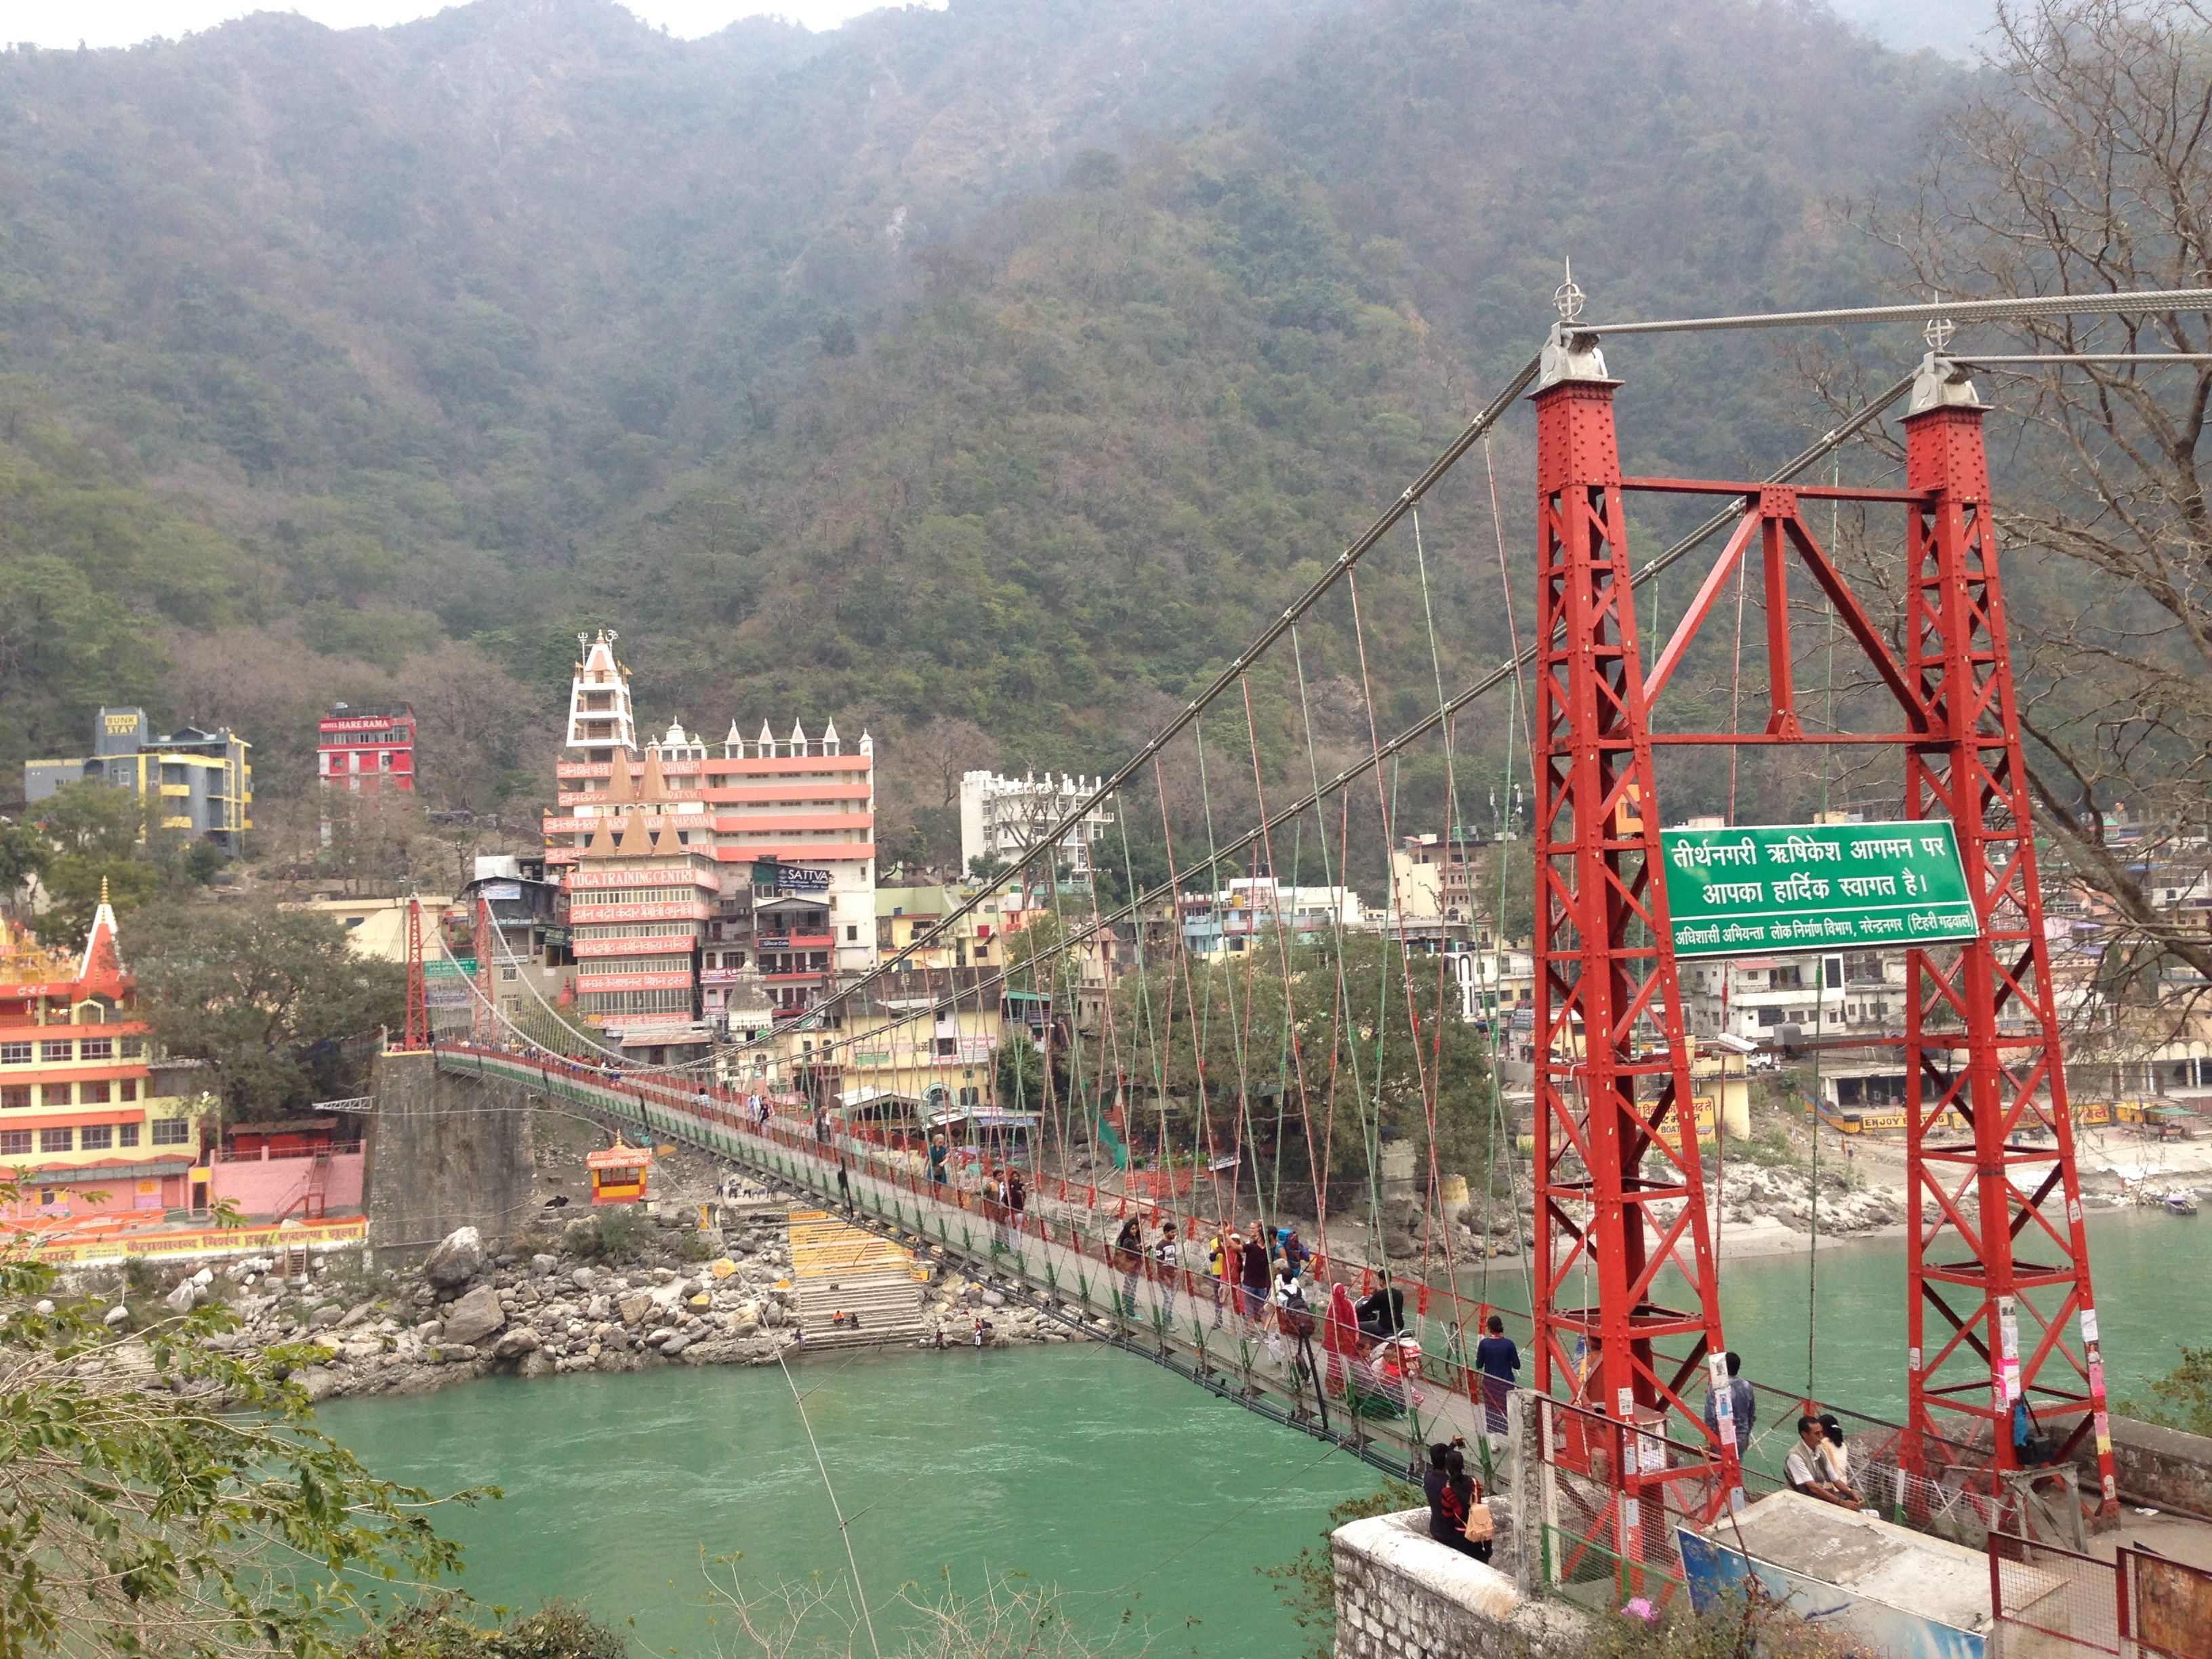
x,y
786,825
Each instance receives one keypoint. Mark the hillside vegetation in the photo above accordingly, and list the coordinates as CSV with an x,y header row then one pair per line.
x,y
1002,366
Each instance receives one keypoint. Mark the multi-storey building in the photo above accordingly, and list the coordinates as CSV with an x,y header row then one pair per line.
x,y
787,823
999,816
641,892
1230,920
1437,881
366,748
519,933
904,914
82,1128
202,780
1779,1000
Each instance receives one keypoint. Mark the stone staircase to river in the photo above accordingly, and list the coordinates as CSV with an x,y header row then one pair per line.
x,y
856,1290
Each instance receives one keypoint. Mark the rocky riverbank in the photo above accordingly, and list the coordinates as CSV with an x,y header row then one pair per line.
x,y
544,1308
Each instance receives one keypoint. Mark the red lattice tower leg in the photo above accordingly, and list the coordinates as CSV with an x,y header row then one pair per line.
x,y
1615,1135
418,1002
2004,1265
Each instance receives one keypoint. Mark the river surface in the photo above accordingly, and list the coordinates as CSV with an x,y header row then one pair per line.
x,y
1134,1493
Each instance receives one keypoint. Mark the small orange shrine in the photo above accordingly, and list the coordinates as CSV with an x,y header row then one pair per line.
x,y
618,1173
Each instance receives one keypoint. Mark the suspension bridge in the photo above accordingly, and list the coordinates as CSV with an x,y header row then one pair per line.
x,y
1620,1275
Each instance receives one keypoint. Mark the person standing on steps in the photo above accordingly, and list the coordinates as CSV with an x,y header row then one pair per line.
x,y
1498,1361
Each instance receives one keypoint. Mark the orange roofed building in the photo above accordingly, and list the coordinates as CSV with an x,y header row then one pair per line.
x,y
81,1128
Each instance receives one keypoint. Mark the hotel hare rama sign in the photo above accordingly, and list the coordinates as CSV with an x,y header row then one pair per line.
x,y
1769,889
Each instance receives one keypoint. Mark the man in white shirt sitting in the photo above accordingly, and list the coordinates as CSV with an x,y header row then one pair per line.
x,y
1808,1472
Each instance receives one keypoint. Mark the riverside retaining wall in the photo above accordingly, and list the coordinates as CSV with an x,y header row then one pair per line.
x,y
444,1151
1400,1595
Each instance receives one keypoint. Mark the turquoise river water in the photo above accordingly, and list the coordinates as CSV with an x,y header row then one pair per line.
x,y
1135,1494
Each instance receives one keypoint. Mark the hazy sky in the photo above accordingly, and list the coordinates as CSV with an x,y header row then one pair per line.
x,y
125,22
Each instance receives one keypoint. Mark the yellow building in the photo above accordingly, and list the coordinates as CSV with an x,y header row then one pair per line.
x,y
81,1127
904,914
376,928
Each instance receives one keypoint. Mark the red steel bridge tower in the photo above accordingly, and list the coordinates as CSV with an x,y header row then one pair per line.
x,y
2000,1260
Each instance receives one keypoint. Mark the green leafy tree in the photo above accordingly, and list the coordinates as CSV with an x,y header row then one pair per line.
x,y
2182,1398
1018,1074
25,852
1221,1031
135,1520
261,993
95,831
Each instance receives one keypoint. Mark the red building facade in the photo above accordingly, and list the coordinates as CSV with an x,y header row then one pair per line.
x,y
367,747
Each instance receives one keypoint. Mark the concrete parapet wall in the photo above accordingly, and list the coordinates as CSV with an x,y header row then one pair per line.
x,y
444,1151
2162,1467
1400,1595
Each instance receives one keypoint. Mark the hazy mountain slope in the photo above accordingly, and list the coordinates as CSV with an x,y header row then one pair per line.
x,y
1133,412
525,317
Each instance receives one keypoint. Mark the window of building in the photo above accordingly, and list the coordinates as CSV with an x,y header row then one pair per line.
x,y
15,1095
132,1047
1770,1016
56,1140
171,1130
126,1135
54,1094
95,1093
852,932
51,1050
384,760
127,1088
96,1138
948,1045
96,1048
508,973
15,1054
14,1143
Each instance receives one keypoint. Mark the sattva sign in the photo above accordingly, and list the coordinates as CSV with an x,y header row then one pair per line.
x,y
1777,888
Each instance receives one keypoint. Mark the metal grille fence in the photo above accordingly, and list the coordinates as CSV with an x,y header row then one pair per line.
x,y
2164,1607
1610,1496
2051,1603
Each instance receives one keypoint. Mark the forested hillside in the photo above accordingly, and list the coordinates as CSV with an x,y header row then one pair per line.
x,y
998,365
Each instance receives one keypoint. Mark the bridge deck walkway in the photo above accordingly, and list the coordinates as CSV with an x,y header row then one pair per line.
x,y
1059,1254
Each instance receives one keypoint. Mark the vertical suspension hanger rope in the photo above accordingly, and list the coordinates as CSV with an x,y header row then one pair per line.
x,y
1518,697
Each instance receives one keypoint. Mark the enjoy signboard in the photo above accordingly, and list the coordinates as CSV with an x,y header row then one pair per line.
x,y
1814,887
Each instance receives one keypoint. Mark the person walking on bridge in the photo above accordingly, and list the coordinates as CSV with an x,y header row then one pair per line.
x,y
1254,1275
1497,1361
938,1153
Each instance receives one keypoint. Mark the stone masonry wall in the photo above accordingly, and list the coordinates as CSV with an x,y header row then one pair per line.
x,y
1400,1595
2163,1467
444,1152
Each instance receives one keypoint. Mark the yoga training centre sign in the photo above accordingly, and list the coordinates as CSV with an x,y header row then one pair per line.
x,y
1776,887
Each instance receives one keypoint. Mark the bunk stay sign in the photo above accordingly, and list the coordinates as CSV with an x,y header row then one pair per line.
x,y
1769,889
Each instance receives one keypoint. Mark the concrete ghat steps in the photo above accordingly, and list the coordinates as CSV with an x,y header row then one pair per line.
x,y
839,1268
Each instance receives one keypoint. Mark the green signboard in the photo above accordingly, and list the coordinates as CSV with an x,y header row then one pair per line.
x,y
1776,887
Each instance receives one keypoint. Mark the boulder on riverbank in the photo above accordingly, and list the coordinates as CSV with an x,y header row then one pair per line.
x,y
459,1258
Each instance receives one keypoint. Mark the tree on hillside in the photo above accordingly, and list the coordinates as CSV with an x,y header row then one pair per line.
x,y
2083,166
94,830
262,994
1220,1031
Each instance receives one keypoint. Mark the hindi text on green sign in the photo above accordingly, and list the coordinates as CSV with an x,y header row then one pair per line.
x,y
1776,887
